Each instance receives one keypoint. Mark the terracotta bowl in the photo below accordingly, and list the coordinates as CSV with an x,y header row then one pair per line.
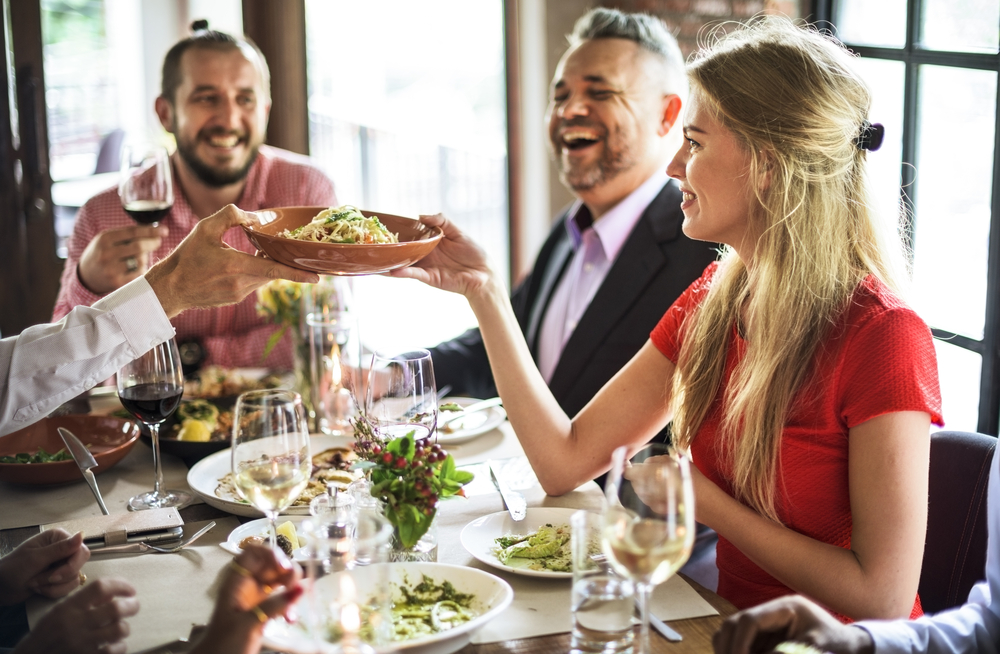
x,y
110,440
416,241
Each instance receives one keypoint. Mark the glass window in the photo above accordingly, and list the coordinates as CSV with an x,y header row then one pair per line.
x,y
954,166
885,79
959,370
960,25
871,23
408,117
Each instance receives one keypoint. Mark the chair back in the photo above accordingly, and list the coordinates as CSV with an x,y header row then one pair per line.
x,y
955,551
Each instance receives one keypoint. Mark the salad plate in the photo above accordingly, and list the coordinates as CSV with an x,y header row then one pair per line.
x,y
468,427
479,537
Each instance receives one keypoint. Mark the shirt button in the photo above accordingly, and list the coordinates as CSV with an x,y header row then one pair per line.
x,y
587,267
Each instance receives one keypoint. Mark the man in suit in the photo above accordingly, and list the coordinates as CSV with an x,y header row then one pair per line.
x,y
616,259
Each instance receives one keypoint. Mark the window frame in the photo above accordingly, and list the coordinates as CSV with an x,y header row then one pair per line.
x,y
912,55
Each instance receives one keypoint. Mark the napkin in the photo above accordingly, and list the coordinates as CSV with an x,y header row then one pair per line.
x,y
173,589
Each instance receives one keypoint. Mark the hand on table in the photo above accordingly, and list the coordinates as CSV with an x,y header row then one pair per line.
x,y
47,564
457,264
246,600
117,256
90,621
792,618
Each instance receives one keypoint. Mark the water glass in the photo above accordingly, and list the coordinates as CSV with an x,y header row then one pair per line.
x,y
603,603
334,370
402,395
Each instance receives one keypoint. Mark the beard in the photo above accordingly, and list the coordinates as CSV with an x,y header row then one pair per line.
x,y
213,176
616,158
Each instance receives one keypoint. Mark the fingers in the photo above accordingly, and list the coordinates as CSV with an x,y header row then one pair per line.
x,y
280,603
268,567
102,591
117,256
223,220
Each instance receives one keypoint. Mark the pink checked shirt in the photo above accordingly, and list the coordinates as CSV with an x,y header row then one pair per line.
x,y
233,336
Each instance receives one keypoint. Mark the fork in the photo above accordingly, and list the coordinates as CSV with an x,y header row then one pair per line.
x,y
142,546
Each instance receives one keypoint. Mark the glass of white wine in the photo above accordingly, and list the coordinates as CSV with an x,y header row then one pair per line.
x,y
649,524
270,453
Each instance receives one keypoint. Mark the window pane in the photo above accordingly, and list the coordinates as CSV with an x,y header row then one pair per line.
x,y
954,179
959,370
885,79
408,117
865,22
960,25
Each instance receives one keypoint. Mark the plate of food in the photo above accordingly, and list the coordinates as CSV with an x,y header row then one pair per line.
x,y
36,455
203,421
211,478
537,546
340,240
257,532
469,426
435,609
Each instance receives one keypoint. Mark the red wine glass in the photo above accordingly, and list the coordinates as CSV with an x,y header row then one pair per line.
x,y
146,187
150,387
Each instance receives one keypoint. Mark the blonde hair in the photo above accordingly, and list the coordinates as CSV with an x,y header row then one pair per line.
x,y
789,96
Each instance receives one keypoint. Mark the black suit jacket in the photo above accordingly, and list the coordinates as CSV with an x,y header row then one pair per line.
x,y
656,264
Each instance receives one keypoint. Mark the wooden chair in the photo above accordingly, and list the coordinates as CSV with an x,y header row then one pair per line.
x,y
955,551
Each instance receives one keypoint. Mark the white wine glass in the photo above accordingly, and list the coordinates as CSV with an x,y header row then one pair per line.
x,y
270,454
150,388
649,526
402,396
146,185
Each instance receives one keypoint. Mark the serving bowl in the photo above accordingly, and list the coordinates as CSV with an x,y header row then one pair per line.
x,y
416,241
492,595
109,440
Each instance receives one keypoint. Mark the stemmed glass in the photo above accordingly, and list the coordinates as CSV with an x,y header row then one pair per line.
x,y
146,186
270,453
150,387
402,395
649,524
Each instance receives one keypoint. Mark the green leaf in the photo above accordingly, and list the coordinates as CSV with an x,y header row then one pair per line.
x,y
463,476
273,341
447,468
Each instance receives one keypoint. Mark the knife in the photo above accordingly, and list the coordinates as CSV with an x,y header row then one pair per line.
x,y
514,501
664,630
472,408
85,461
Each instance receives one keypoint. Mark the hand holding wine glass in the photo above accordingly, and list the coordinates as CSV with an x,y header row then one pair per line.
x,y
150,388
402,395
270,454
649,525
146,186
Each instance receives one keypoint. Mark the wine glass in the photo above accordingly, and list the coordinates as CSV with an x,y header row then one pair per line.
x,y
150,387
270,453
402,395
146,186
649,524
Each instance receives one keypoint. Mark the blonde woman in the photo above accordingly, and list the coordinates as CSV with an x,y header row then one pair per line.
x,y
802,385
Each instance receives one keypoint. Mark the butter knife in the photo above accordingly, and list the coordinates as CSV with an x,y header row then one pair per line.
x,y
85,461
472,408
514,501
664,630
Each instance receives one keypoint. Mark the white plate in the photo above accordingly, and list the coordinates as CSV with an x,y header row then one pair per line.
x,y
479,536
256,528
203,478
492,594
468,427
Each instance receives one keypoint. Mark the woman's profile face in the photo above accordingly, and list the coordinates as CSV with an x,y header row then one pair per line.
x,y
714,172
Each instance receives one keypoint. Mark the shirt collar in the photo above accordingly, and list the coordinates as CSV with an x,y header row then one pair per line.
x,y
614,227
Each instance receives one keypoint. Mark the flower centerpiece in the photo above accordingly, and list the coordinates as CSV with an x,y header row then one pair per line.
x,y
408,476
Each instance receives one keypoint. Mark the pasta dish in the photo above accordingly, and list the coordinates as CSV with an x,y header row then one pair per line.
x,y
344,224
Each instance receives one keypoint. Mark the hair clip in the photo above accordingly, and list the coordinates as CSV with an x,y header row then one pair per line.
x,y
870,137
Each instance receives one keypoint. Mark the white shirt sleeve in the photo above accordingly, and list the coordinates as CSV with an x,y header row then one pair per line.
x,y
972,627
48,364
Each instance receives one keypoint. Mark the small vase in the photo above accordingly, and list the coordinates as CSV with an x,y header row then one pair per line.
x,y
425,551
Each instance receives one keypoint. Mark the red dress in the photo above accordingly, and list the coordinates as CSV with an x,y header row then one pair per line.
x,y
880,360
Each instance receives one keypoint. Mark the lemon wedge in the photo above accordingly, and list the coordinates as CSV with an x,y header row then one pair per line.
x,y
287,529
195,431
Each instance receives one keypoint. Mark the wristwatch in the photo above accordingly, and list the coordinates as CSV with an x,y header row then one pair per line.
x,y
192,355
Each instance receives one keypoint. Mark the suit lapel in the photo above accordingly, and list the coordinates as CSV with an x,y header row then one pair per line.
x,y
554,269
639,261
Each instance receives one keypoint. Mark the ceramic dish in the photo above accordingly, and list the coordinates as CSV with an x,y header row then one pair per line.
x,y
478,537
257,528
416,241
109,438
203,478
492,596
468,427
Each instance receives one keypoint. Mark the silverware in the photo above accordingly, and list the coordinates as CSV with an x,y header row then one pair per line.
x,y
513,500
85,461
142,547
664,630
472,408
443,392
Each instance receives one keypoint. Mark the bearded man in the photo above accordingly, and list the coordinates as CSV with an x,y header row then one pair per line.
x,y
214,98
